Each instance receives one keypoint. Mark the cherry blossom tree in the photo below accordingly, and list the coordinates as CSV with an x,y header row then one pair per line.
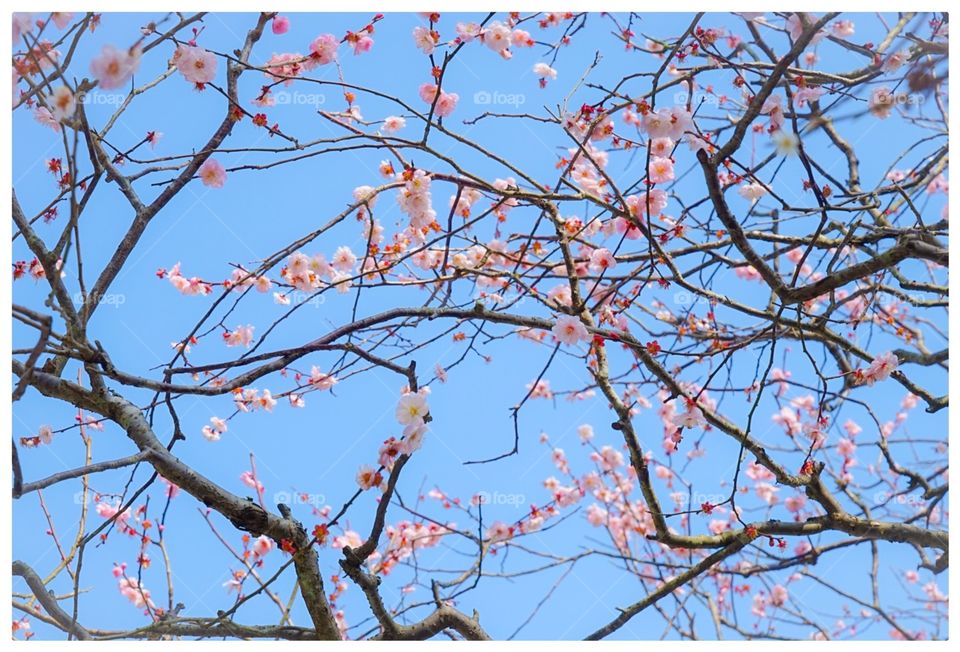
x,y
715,270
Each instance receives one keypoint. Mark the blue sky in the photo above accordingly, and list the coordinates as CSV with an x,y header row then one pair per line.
x,y
317,450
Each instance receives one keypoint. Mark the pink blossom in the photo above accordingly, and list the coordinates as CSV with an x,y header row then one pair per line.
x,y
425,39
894,61
630,230
241,336
106,510
323,50
321,380
773,107
660,147
412,439
393,123
842,28
197,65
758,472
780,376
22,24
113,68
544,71
569,330
266,401
778,595
412,409
602,260
664,473
212,174
251,481
846,447
343,260
661,170
367,477
446,104
280,25
45,434
807,94
212,432
795,27
62,104
42,115
130,589
881,368
657,124
747,273
692,418
499,531
363,43
794,503
540,389
284,67
497,37
521,39
716,526
585,432
752,191
348,538
766,492
262,545
596,515
647,204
